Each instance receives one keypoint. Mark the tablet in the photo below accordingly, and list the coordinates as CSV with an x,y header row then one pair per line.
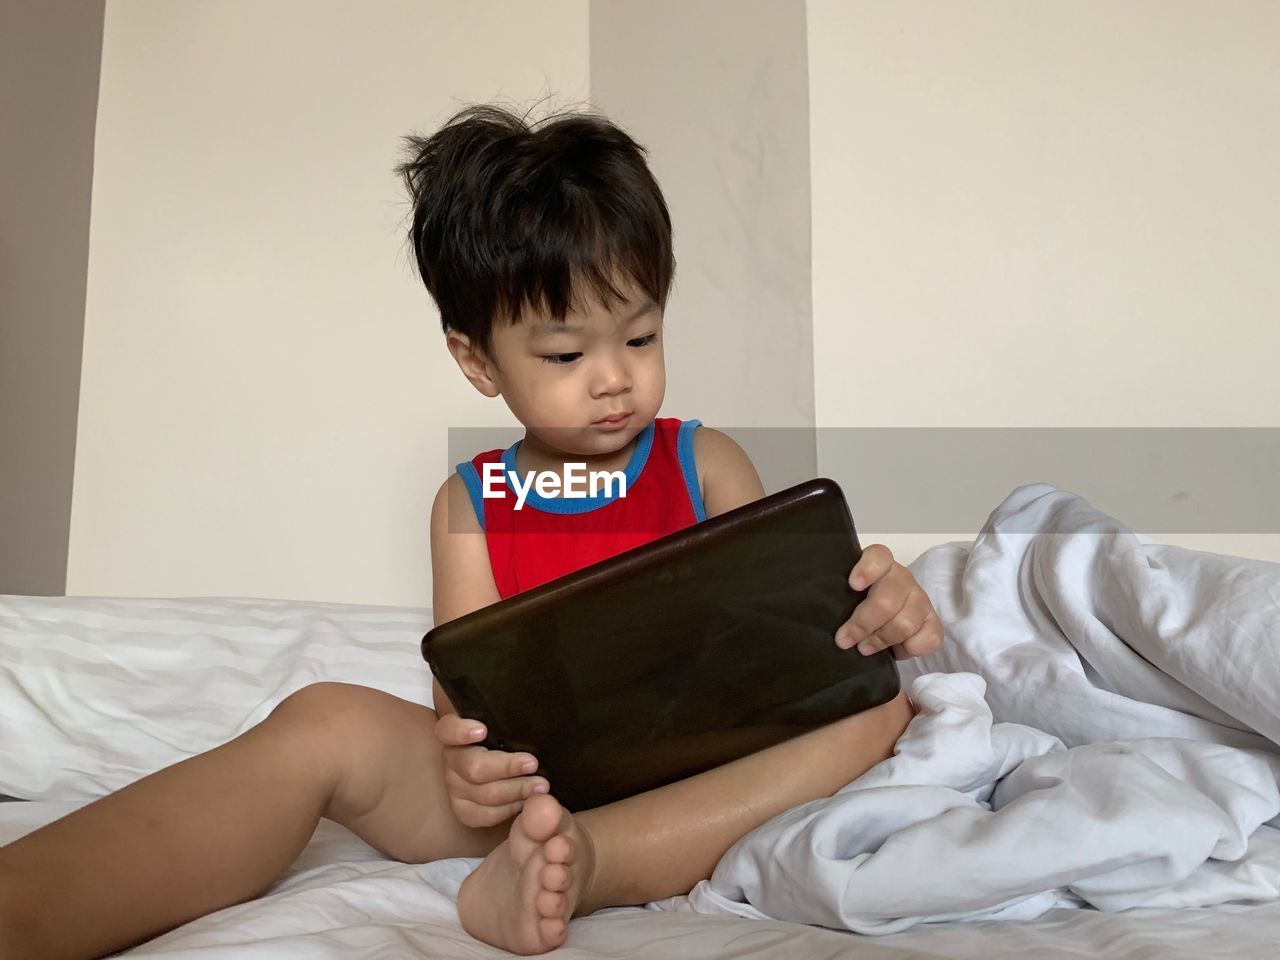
x,y
674,657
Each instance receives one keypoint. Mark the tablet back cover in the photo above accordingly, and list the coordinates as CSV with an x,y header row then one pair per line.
x,y
675,657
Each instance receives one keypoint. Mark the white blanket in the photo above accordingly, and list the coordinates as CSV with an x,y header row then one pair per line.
x,y
1100,727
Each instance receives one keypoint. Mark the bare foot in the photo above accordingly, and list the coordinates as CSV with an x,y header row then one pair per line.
x,y
522,897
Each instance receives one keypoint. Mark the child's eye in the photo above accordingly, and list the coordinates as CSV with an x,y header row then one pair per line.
x,y
565,358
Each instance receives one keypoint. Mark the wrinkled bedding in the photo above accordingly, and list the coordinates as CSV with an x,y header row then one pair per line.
x,y
1101,728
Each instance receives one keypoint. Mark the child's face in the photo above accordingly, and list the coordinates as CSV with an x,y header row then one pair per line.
x,y
559,379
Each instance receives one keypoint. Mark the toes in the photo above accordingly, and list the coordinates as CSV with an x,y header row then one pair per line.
x,y
556,876
559,849
520,845
541,818
552,932
550,904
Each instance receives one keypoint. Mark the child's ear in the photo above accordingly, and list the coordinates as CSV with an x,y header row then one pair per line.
x,y
475,366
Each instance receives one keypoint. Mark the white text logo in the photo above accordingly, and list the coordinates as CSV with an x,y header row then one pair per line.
x,y
547,483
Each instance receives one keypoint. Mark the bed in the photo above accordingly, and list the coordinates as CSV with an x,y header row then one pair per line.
x,y
96,692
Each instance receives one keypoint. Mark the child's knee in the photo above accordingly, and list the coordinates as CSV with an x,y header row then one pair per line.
x,y
344,727
366,738
344,709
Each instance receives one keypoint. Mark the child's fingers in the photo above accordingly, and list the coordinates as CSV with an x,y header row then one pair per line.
x,y
906,623
478,765
875,562
922,641
502,792
925,640
471,814
500,795
493,793
455,731
903,625
881,605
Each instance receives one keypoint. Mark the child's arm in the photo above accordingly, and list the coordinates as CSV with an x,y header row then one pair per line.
x,y
486,787
727,475
896,611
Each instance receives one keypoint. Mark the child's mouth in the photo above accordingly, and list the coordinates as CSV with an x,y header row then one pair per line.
x,y
612,423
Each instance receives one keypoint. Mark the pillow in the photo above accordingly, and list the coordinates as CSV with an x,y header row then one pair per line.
x,y
97,692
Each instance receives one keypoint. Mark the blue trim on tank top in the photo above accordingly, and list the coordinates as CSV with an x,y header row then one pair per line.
x,y
639,457
684,452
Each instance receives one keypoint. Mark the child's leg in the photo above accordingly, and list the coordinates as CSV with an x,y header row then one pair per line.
x,y
219,828
660,843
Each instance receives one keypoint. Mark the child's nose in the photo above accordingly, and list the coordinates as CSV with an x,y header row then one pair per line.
x,y
611,376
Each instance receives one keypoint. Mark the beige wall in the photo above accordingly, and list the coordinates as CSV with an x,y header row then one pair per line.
x,y
49,55
1064,219
717,91
265,390
1044,215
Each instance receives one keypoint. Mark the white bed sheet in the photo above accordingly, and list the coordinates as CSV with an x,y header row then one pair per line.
x,y
342,901
95,692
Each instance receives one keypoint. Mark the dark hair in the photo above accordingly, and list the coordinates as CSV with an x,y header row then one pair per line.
x,y
508,214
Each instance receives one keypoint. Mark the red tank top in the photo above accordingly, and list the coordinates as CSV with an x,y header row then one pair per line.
x,y
549,537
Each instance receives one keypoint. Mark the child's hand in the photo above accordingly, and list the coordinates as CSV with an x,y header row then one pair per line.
x,y
486,787
895,613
